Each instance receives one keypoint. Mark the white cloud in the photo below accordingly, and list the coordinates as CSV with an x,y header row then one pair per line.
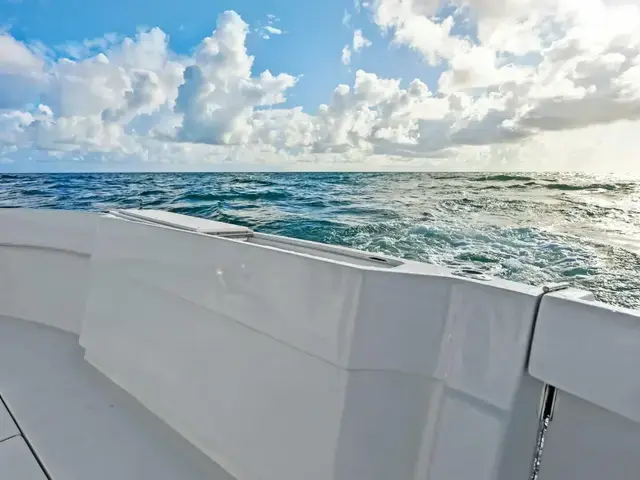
x,y
79,50
273,30
359,41
412,23
267,31
374,114
586,73
547,84
346,55
346,19
218,96
16,57
21,73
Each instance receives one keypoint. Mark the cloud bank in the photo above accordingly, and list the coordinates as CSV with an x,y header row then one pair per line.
x,y
526,84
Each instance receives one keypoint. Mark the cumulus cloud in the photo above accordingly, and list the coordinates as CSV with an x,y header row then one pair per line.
x,y
21,73
538,69
584,71
79,50
375,112
219,95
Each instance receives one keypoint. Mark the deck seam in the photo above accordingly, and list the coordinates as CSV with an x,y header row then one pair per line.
x,y
26,439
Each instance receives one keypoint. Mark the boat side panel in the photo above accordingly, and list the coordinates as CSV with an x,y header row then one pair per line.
x,y
590,352
260,356
481,419
303,302
44,265
400,322
50,229
588,442
256,406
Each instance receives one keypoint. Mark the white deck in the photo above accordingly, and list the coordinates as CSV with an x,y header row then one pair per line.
x,y
81,425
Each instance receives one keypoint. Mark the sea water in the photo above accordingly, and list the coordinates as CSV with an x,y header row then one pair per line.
x,y
531,228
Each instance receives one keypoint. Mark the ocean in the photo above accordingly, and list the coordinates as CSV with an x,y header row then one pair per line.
x,y
528,227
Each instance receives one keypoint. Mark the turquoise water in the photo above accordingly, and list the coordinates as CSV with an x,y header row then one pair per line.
x,y
532,228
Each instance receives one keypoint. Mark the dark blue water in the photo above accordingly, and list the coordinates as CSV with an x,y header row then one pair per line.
x,y
532,228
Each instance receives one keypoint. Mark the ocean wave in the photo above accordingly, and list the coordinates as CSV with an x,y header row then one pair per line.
x,y
235,195
254,181
33,192
591,186
200,197
502,178
476,257
268,195
553,184
204,211
152,192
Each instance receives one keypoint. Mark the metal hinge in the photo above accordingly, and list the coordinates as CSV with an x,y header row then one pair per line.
x,y
555,287
547,402
546,410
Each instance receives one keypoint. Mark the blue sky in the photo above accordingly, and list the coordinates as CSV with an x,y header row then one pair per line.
x,y
331,85
311,45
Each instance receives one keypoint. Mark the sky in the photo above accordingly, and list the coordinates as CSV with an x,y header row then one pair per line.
x,y
281,85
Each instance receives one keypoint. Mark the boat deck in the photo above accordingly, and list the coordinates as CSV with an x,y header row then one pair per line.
x,y
79,424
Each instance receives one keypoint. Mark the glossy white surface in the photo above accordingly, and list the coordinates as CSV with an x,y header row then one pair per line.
x,y
590,350
475,411
486,341
588,442
304,302
44,265
247,401
399,322
44,286
48,229
237,347
519,442
331,370
325,251
184,222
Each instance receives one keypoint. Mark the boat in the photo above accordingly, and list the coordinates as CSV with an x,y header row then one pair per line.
x,y
143,344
